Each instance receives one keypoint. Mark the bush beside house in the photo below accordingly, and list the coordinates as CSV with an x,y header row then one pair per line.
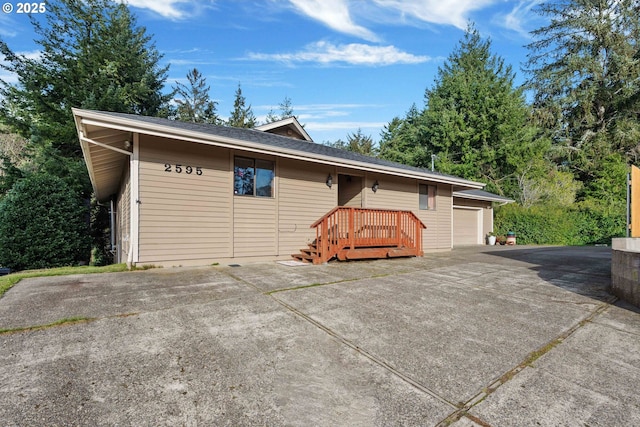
x,y
582,224
42,224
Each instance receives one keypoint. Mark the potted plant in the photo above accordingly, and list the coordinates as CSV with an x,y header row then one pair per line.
x,y
491,239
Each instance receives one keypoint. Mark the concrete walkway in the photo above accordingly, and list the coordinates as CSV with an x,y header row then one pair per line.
x,y
500,336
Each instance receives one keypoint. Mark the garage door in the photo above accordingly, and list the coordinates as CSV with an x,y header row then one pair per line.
x,y
466,226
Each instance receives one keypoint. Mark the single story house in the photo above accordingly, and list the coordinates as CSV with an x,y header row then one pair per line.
x,y
195,194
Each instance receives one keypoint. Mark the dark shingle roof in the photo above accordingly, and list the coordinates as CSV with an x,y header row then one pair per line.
x,y
277,141
481,195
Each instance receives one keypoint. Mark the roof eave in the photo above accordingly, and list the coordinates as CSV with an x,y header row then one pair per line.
x,y
483,198
132,125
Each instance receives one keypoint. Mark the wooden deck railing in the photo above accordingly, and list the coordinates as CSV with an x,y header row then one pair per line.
x,y
349,233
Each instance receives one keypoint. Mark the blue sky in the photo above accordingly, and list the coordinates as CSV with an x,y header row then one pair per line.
x,y
345,64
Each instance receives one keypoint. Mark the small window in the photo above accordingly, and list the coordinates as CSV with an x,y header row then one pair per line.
x,y
427,197
253,177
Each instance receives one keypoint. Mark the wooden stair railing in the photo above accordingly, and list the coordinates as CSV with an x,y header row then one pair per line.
x,y
357,233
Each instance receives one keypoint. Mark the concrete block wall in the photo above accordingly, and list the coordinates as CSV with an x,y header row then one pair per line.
x,y
625,269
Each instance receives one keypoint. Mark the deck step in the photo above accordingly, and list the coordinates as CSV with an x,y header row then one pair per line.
x,y
309,254
370,253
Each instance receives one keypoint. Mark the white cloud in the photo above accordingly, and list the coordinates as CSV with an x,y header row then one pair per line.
x,y
189,62
322,117
332,126
448,12
355,54
335,14
520,17
5,26
338,14
172,9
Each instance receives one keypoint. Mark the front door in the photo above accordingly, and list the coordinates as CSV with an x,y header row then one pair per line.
x,y
350,191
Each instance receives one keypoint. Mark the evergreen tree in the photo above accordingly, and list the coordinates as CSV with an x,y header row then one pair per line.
x,y
584,67
93,56
286,111
402,139
475,122
195,105
241,116
357,142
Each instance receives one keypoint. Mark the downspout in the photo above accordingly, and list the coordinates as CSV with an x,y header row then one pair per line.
x,y
134,204
628,205
112,225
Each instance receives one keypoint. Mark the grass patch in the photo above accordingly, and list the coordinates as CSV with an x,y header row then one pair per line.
x,y
313,285
67,321
8,281
145,267
533,356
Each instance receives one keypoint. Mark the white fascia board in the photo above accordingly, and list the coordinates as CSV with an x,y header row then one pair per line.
x,y
85,152
130,125
285,122
482,198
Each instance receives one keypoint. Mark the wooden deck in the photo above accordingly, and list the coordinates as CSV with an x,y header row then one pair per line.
x,y
347,233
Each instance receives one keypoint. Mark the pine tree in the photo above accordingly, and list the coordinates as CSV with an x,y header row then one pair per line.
x,y
584,67
286,111
195,105
357,142
93,56
475,122
241,116
402,141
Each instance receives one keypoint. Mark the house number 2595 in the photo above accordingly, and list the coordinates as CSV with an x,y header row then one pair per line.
x,y
168,167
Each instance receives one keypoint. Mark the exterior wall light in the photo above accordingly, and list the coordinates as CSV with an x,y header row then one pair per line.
x,y
375,186
329,181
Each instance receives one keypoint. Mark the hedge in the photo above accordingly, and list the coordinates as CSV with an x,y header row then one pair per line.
x,y
42,224
581,224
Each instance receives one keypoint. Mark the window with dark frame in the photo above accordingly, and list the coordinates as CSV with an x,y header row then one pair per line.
x,y
253,177
427,197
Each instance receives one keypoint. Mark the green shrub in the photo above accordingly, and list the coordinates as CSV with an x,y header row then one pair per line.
x,y
100,234
42,224
582,224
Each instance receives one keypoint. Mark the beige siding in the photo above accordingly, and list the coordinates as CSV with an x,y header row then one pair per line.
x,y
393,193
487,221
184,216
254,226
438,221
402,193
303,197
444,216
190,217
123,216
288,132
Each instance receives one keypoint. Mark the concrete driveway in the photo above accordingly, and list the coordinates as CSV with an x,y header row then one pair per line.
x,y
500,336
